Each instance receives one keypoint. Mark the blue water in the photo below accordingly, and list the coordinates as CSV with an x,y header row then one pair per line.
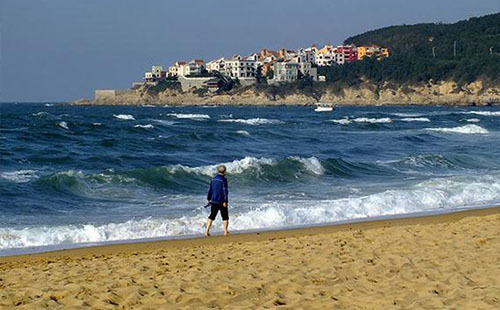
x,y
72,174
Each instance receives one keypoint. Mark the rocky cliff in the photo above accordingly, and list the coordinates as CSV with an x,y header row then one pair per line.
x,y
443,93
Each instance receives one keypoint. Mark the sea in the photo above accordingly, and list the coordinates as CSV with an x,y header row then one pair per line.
x,y
73,176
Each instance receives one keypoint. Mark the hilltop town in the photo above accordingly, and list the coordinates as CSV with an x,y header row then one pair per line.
x,y
264,67
447,64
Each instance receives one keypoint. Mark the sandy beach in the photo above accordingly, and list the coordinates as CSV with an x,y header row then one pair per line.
x,y
449,261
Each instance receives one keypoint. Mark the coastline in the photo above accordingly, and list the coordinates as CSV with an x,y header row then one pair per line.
x,y
367,94
417,262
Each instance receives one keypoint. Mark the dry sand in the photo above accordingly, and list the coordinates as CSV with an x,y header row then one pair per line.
x,y
440,262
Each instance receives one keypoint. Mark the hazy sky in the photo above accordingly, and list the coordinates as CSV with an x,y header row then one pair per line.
x,y
58,50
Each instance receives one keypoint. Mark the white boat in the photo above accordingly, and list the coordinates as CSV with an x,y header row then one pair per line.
x,y
323,109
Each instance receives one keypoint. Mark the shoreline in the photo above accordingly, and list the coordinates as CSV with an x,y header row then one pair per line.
x,y
100,248
443,261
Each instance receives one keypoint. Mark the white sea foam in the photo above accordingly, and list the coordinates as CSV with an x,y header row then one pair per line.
x,y
407,114
42,114
49,104
415,119
343,121
373,120
234,167
439,193
19,176
147,126
164,122
467,129
252,121
190,116
96,124
312,164
243,133
473,120
483,113
63,125
125,117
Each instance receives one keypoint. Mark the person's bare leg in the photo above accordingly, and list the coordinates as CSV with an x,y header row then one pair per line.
x,y
225,224
207,230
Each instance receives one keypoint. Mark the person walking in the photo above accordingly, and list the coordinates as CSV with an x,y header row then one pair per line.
x,y
218,198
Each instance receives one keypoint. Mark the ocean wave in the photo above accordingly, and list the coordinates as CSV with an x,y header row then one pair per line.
x,y
434,161
467,129
252,121
96,124
473,120
312,164
147,126
434,194
415,119
125,117
248,170
243,133
483,113
411,115
19,176
372,120
164,122
189,116
342,121
361,120
42,114
63,125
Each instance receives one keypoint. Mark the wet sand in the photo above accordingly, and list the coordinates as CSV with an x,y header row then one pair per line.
x,y
449,261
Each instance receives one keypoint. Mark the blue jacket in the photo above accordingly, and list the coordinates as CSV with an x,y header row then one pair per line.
x,y
218,191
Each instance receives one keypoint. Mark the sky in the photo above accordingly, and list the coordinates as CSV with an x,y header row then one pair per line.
x,y
61,50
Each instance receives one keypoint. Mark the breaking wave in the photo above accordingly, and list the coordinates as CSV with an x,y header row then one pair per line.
x,y
361,120
147,126
483,113
63,125
20,176
415,119
125,117
252,121
438,193
190,116
473,120
467,129
243,133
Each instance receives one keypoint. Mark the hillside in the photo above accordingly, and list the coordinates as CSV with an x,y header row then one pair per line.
x,y
424,52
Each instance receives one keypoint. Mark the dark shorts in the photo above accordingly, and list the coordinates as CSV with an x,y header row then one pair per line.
x,y
214,209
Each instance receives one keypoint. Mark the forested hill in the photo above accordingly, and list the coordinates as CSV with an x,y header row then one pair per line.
x,y
473,37
464,52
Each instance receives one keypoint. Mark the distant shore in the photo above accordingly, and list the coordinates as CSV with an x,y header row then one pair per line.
x,y
444,93
438,261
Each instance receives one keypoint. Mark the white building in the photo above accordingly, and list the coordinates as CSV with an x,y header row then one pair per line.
x,y
240,67
174,70
325,56
286,71
216,65
155,73
194,67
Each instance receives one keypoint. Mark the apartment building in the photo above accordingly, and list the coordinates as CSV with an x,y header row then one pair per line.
x,y
156,73
240,67
194,67
174,70
325,56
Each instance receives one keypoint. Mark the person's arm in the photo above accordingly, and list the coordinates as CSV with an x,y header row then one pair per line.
x,y
226,192
209,195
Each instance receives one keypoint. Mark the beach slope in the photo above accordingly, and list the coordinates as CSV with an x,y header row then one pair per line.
x,y
449,261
